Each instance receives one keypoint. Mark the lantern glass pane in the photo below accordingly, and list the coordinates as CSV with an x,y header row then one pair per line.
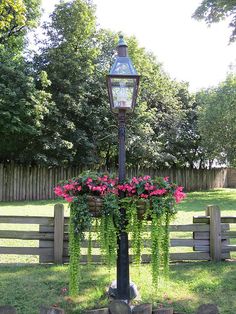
x,y
122,91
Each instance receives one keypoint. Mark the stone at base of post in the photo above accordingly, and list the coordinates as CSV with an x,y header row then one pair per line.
x,y
112,291
51,310
208,309
118,307
142,309
7,309
98,311
169,310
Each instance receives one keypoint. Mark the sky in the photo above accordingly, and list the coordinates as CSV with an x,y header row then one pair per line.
x,y
188,49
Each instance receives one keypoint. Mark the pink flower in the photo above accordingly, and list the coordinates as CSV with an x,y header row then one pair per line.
x,y
112,182
135,180
178,194
79,188
121,187
69,199
146,178
58,190
144,196
149,187
69,187
158,192
89,180
166,179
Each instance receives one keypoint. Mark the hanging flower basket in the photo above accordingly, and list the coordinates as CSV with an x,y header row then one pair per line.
x,y
96,196
95,205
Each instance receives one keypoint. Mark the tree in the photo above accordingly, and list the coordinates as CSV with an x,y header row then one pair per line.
x,y
22,106
217,118
69,58
17,17
213,11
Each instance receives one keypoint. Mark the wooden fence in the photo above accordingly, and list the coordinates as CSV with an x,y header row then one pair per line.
x,y
20,182
208,238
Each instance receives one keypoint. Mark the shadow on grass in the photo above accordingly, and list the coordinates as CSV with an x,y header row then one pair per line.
x,y
190,284
29,287
210,282
198,201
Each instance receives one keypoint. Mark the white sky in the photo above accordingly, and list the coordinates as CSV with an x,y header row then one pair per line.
x,y
189,50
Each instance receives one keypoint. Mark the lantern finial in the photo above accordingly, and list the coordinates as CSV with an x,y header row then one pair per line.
x,y
121,42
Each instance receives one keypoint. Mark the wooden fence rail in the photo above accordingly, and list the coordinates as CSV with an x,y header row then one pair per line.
x,y
208,238
22,182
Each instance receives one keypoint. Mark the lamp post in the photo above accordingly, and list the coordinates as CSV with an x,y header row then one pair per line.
x,y
122,82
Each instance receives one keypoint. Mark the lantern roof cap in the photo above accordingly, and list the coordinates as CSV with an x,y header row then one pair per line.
x,y
122,42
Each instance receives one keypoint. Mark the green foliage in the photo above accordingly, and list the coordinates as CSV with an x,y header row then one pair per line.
x,y
16,17
189,286
22,109
80,221
213,11
217,116
135,228
109,229
74,252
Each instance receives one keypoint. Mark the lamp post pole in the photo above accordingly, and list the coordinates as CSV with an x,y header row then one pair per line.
x,y
123,290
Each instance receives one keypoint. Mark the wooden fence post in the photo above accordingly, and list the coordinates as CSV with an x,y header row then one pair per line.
x,y
215,232
58,233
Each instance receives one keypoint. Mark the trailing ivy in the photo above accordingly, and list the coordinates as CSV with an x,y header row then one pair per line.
x,y
157,212
89,254
80,221
108,229
135,228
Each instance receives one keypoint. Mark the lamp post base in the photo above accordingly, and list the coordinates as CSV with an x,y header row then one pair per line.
x,y
113,293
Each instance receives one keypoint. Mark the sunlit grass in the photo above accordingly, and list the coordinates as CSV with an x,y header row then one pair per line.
x,y
189,286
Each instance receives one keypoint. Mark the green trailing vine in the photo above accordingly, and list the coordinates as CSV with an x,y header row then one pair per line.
x,y
89,254
157,246
108,229
135,228
80,221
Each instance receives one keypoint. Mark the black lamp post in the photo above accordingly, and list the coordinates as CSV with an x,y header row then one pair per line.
x,y
122,82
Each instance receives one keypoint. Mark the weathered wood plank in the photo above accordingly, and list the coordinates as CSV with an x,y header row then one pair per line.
x,y
202,248
47,244
46,228
201,235
206,219
172,228
58,232
26,250
189,227
229,247
229,234
215,232
147,243
26,220
25,235
146,258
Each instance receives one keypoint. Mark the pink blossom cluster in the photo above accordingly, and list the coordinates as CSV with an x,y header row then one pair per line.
x,y
179,194
142,187
74,187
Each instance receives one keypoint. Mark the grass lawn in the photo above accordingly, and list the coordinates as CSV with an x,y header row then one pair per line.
x,y
190,284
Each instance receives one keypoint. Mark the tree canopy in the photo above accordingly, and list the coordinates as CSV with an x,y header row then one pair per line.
x,y
213,11
54,107
217,118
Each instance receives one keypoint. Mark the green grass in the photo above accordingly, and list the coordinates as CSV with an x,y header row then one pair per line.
x,y
190,284
28,287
